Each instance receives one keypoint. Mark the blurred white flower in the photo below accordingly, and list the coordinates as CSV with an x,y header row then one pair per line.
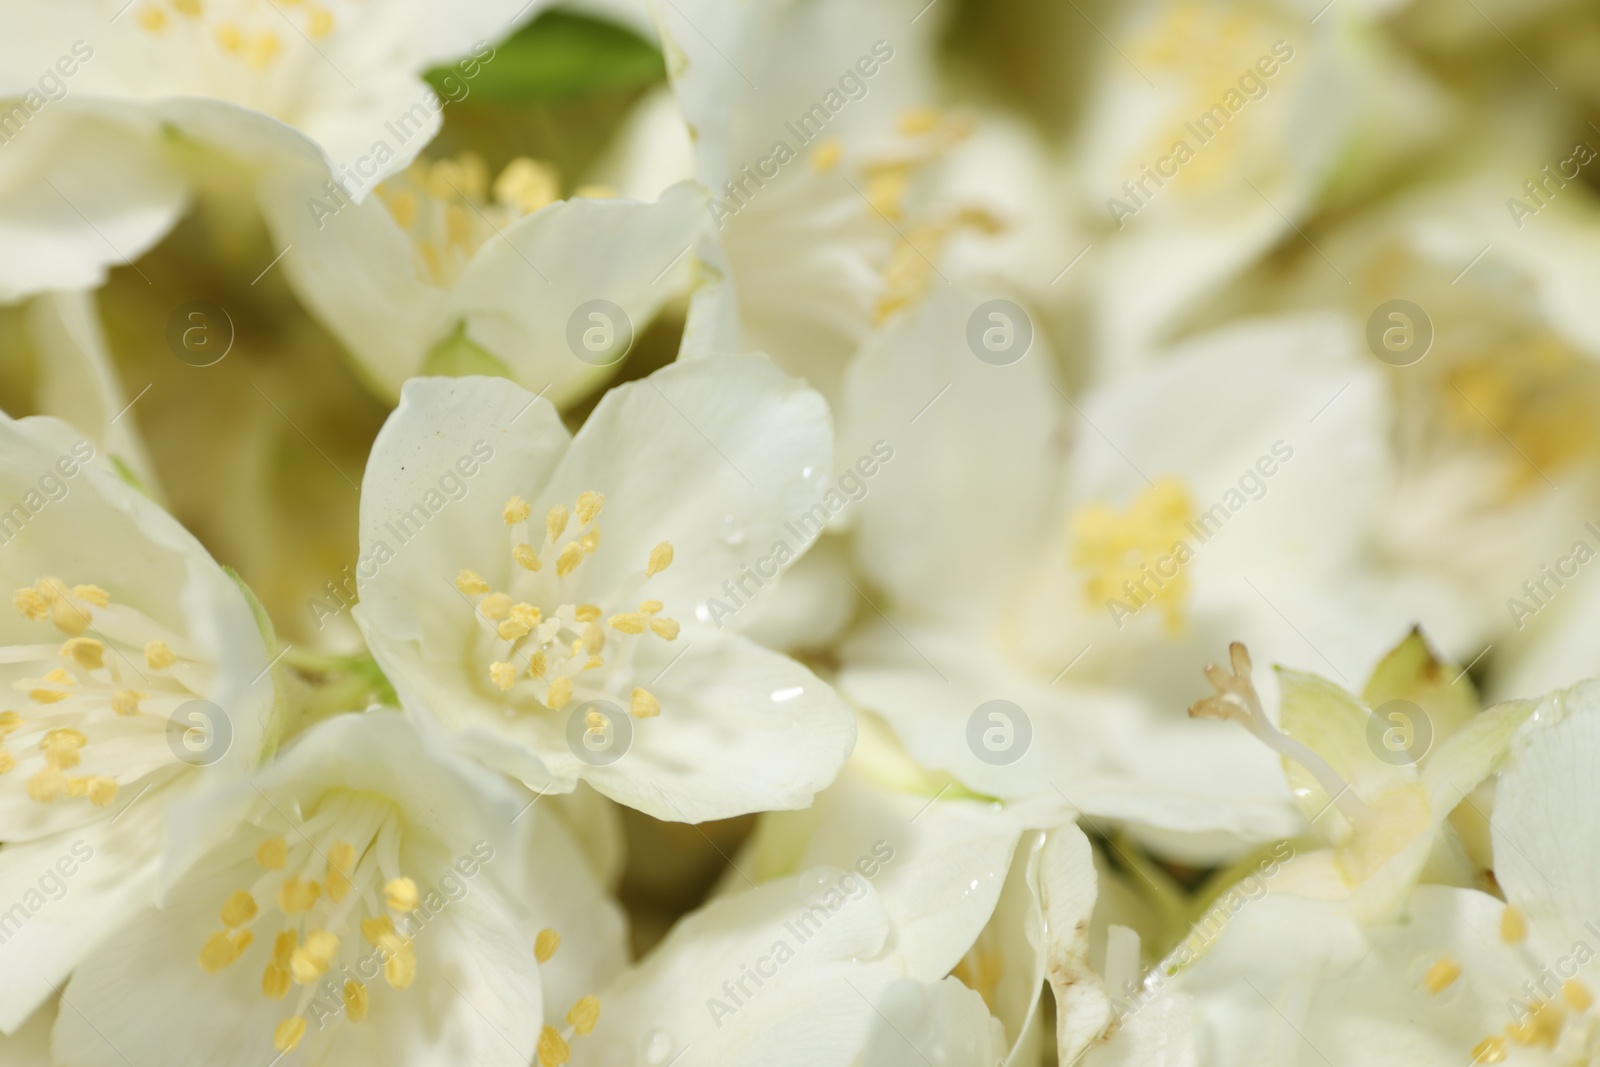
x,y
554,654
364,857
133,665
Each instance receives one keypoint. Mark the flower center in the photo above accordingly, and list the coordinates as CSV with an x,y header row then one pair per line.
x,y
1541,401
339,873
1136,557
250,33
98,709
544,649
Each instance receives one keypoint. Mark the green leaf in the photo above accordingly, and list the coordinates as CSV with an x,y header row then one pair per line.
x,y
459,356
557,55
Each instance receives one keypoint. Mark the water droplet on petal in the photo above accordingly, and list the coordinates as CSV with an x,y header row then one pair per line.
x,y
805,472
730,532
783,696
702,613
657,1047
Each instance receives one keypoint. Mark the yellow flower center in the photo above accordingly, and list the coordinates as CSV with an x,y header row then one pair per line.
x,y
251,35
1136,557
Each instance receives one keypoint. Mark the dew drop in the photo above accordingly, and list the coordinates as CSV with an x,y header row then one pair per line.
x,y
702,612
730,532
783,696
657,1047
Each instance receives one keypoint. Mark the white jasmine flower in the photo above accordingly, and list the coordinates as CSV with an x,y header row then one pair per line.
x,y
100,91
134,671
1228,489
558,608
372,900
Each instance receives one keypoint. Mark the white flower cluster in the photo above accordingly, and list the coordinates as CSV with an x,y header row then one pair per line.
x,y
828,471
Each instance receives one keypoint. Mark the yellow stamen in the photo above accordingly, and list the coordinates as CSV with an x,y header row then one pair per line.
x,y
495,606
472,583
401,968
274,982
589,505
51,696
570,557
560,692
553,1051
7,762
527,557
628,622
101,790
1489,1050
158,657
516,510
586,612
915,120
297,896
190,8
660,559
590,541
825,157
355,1000
312,960
289,1033
650,607
377,928
1513,928
594,638
262,49
584,1015
527,185
61,747
319,22
401,894
536,665
221,949
32,603
1440,975
1576,994
666,629
555,522
643,706
48,784
273,853
151,18
93,594
504,674
86,652
125,702
545,945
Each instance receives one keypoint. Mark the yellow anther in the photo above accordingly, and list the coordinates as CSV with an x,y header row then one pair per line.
x,y
1541,1027
342,857
593,663
296,896
283,947
555,522
402,205
261,49
61,747
239,909
401,894
516,510
886,190
553,1051
1138,556
536,665
312,960
513,629
527,185
151,18
319,22
590,541
77,788
642,705
666,629
274,982
826,155
1576,994
526,557
158,657
594,638
189,8
589,505
1440,975
48,784
355,1000
93,594
545,945
32,603
273,853
471,583
495,606
570,557
628,622
10,721
915,120
526,614
125,702
1513,928
584,1015
650,607
400,970
560,692
51,696
101,790
660,559
68,617
377,928
288,1033
504,674
221,950
86,652
7,762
